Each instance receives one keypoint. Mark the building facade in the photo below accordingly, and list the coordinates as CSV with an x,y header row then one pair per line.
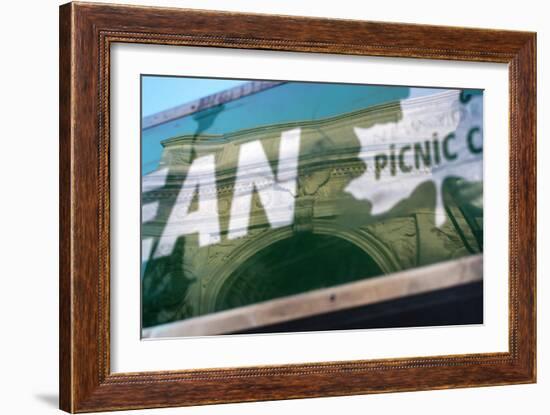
x,y
335,235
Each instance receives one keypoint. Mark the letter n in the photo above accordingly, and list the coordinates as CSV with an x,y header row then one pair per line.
x,y
276,194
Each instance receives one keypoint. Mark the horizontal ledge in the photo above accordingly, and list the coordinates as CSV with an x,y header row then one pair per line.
x,y
361,293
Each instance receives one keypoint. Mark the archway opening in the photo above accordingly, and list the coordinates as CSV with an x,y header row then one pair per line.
x,y
295,265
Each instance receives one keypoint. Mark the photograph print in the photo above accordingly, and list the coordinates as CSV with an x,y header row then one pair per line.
x,y
272,206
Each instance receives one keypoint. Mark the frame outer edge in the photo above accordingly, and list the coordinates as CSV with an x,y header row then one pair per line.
x,y
84,207
82,388
66,43
527,127
523,205
534,226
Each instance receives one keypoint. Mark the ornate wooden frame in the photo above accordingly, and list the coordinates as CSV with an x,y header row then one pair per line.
x,y
86,33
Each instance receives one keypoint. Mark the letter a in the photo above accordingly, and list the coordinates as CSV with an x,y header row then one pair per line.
x,y
204,220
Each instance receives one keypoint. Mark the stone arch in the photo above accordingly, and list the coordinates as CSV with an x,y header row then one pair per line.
x,y
381,255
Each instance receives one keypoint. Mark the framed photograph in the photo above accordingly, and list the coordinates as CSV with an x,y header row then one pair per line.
x,y
258,207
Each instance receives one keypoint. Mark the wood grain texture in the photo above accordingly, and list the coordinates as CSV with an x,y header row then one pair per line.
x,y
86,32
65,245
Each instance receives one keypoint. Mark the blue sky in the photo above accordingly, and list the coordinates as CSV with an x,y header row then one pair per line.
x,y
161,92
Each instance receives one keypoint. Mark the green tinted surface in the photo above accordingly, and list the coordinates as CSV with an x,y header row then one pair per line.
x,y
335,238
323,261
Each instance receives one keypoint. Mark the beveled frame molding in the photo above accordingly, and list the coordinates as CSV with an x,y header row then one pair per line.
x,y
86,33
